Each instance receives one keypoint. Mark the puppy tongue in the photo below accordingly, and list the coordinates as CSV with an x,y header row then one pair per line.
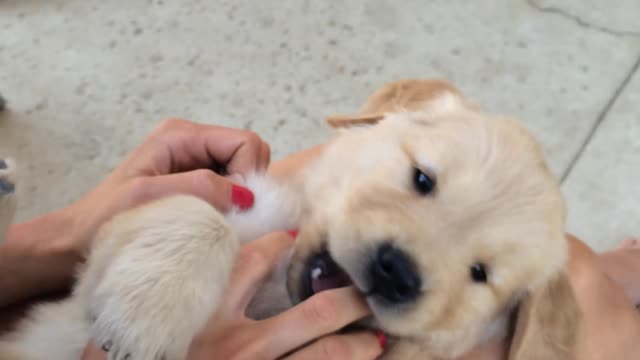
x,y
321,281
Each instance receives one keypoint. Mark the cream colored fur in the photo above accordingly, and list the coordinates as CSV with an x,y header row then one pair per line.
x,y
157,272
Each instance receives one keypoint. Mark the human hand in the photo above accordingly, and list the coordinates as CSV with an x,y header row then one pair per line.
x,y
610,326
302,332
176,158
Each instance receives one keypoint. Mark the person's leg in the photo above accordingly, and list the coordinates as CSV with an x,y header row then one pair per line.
x,y
622,265
610,325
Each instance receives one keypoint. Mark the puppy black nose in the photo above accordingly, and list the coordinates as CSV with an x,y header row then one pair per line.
x,y
394,276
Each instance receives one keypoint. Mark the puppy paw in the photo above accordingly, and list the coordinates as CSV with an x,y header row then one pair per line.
x,y
148,317
127,327
127,341
168,273
7,195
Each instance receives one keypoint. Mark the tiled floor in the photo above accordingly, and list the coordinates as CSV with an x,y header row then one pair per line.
x,y
86,79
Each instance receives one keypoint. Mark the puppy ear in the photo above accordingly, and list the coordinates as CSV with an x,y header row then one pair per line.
x,y
401,95
347,121
547,323
407,95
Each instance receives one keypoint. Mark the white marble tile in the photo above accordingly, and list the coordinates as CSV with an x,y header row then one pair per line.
x,y
603,190
87,79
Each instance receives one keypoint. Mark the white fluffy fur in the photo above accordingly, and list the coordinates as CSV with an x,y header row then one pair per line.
x,y
173,273
275,208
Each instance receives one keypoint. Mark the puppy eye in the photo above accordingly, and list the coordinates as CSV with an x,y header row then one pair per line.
x,y
422,182
478,272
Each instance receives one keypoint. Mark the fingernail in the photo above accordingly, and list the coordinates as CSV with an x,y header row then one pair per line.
x,y
382,339
293,233
241,197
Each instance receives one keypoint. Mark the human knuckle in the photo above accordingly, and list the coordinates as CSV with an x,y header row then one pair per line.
x,y
321,309
252,137
225,342
137,188
266,147
335,348
204,176
168,128
172,123
250,350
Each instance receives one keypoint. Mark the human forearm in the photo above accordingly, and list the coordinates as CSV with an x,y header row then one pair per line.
x,y
38,257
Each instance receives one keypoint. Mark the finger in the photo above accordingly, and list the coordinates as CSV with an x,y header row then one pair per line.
x,y
356,346
262,164
204,184
249,155
192,146
92,352
265,157
254,263
321,314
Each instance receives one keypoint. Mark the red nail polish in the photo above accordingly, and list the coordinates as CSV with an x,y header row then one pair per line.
x,y
382,339
293,233
241,197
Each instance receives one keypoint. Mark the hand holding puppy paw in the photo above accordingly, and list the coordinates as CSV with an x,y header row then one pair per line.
x,y
179,157
176,158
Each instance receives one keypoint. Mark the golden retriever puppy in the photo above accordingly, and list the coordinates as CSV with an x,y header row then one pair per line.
x,y
449,222
444,217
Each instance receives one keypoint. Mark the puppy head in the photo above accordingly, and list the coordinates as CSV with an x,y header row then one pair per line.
x,y
444,218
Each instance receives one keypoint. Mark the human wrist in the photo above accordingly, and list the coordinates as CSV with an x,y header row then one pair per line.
x,y
87,215
37,257
48,237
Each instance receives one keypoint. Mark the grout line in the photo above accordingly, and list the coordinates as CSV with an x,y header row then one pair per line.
x,y
599,120
578,20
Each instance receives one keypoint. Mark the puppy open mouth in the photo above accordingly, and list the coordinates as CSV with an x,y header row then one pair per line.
x,y
322,273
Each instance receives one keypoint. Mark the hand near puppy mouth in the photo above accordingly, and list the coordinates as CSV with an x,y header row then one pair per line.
x,y
306,331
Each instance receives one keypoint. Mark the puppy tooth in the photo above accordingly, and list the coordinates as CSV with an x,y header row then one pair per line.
x,y
316,272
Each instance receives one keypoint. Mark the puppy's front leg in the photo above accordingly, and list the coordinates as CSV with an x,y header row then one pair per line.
x,y
160,271
7,196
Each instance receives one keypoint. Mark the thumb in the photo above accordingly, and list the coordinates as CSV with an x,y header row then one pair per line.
x,y
220,192
92,352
